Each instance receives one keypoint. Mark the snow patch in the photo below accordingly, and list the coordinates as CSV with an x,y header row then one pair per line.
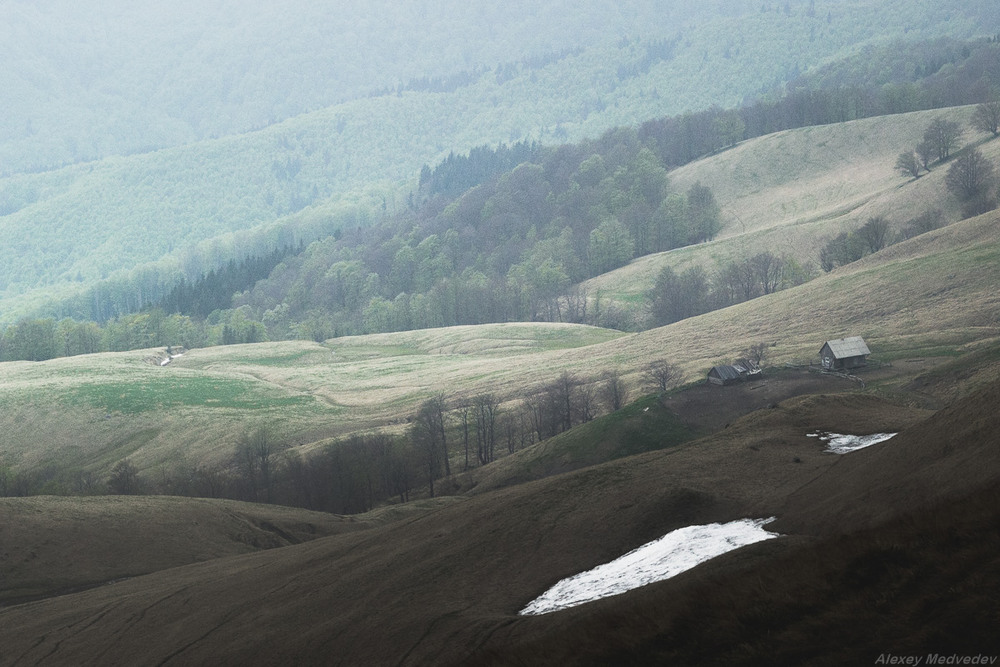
x,y
675,552
170,357
838,443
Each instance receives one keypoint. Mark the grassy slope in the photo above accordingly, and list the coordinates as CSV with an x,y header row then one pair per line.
x,y
905,561
643,425
440,586
53,545
93,410
936,293
791,191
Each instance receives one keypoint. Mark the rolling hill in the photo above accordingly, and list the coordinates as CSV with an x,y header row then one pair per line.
x,y
54,546
338,158
932,294
889,548
445,586
789,192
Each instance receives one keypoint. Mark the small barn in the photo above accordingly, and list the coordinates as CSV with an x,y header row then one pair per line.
x,y
723,375
844,353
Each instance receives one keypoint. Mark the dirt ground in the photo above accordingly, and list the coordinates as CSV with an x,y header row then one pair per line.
x,y
708,408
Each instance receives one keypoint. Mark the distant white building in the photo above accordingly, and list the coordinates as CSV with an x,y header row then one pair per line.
x,y
844,353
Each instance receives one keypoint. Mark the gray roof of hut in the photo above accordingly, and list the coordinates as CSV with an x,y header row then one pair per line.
x,y
726,372
843,348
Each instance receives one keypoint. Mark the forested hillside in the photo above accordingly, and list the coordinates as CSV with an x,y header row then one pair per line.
x,y
125,77
517,241
185,210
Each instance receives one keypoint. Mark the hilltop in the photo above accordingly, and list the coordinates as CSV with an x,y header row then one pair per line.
x,y
933,295
791,191
154,195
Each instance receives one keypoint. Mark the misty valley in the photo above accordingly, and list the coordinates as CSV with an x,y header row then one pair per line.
x,y
441,333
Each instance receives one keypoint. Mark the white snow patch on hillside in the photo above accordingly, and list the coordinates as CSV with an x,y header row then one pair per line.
x,y
170,357
839,443
675,552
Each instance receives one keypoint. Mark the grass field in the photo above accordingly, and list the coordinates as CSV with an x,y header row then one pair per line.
x,y
935,295
889,548
789,192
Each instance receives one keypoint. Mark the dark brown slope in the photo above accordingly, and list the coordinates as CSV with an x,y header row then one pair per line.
x,y
436,588
951,455
51,545
906,562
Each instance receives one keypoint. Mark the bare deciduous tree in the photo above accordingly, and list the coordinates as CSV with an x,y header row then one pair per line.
x,y
970,176
769,270
562,393
254,453
429,423
661,374
576,305
986,117
756,353
925,153
921,224
909,163
585,403
614,391
943,135
486,407
124,480
428,435
874,233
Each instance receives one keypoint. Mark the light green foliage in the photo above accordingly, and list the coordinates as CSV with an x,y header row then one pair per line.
x,y
30,340
171,392
610,246
67,228
703,214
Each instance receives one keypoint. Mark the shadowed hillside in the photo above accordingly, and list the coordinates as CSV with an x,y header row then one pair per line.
x,y
57,545
906,564
446,585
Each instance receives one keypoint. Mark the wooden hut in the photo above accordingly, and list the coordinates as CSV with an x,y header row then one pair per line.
x,y
844,354
723,375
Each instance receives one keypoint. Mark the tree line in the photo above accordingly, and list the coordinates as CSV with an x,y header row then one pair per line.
x,y
350,475
678,296
508,249
40,339
858,89
971,179
513,245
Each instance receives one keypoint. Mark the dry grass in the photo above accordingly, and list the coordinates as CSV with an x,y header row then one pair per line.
x,y
938,290
443,587
53,545
94,410
791,191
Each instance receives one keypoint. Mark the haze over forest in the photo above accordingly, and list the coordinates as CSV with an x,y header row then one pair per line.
x,y
164,141
394,314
